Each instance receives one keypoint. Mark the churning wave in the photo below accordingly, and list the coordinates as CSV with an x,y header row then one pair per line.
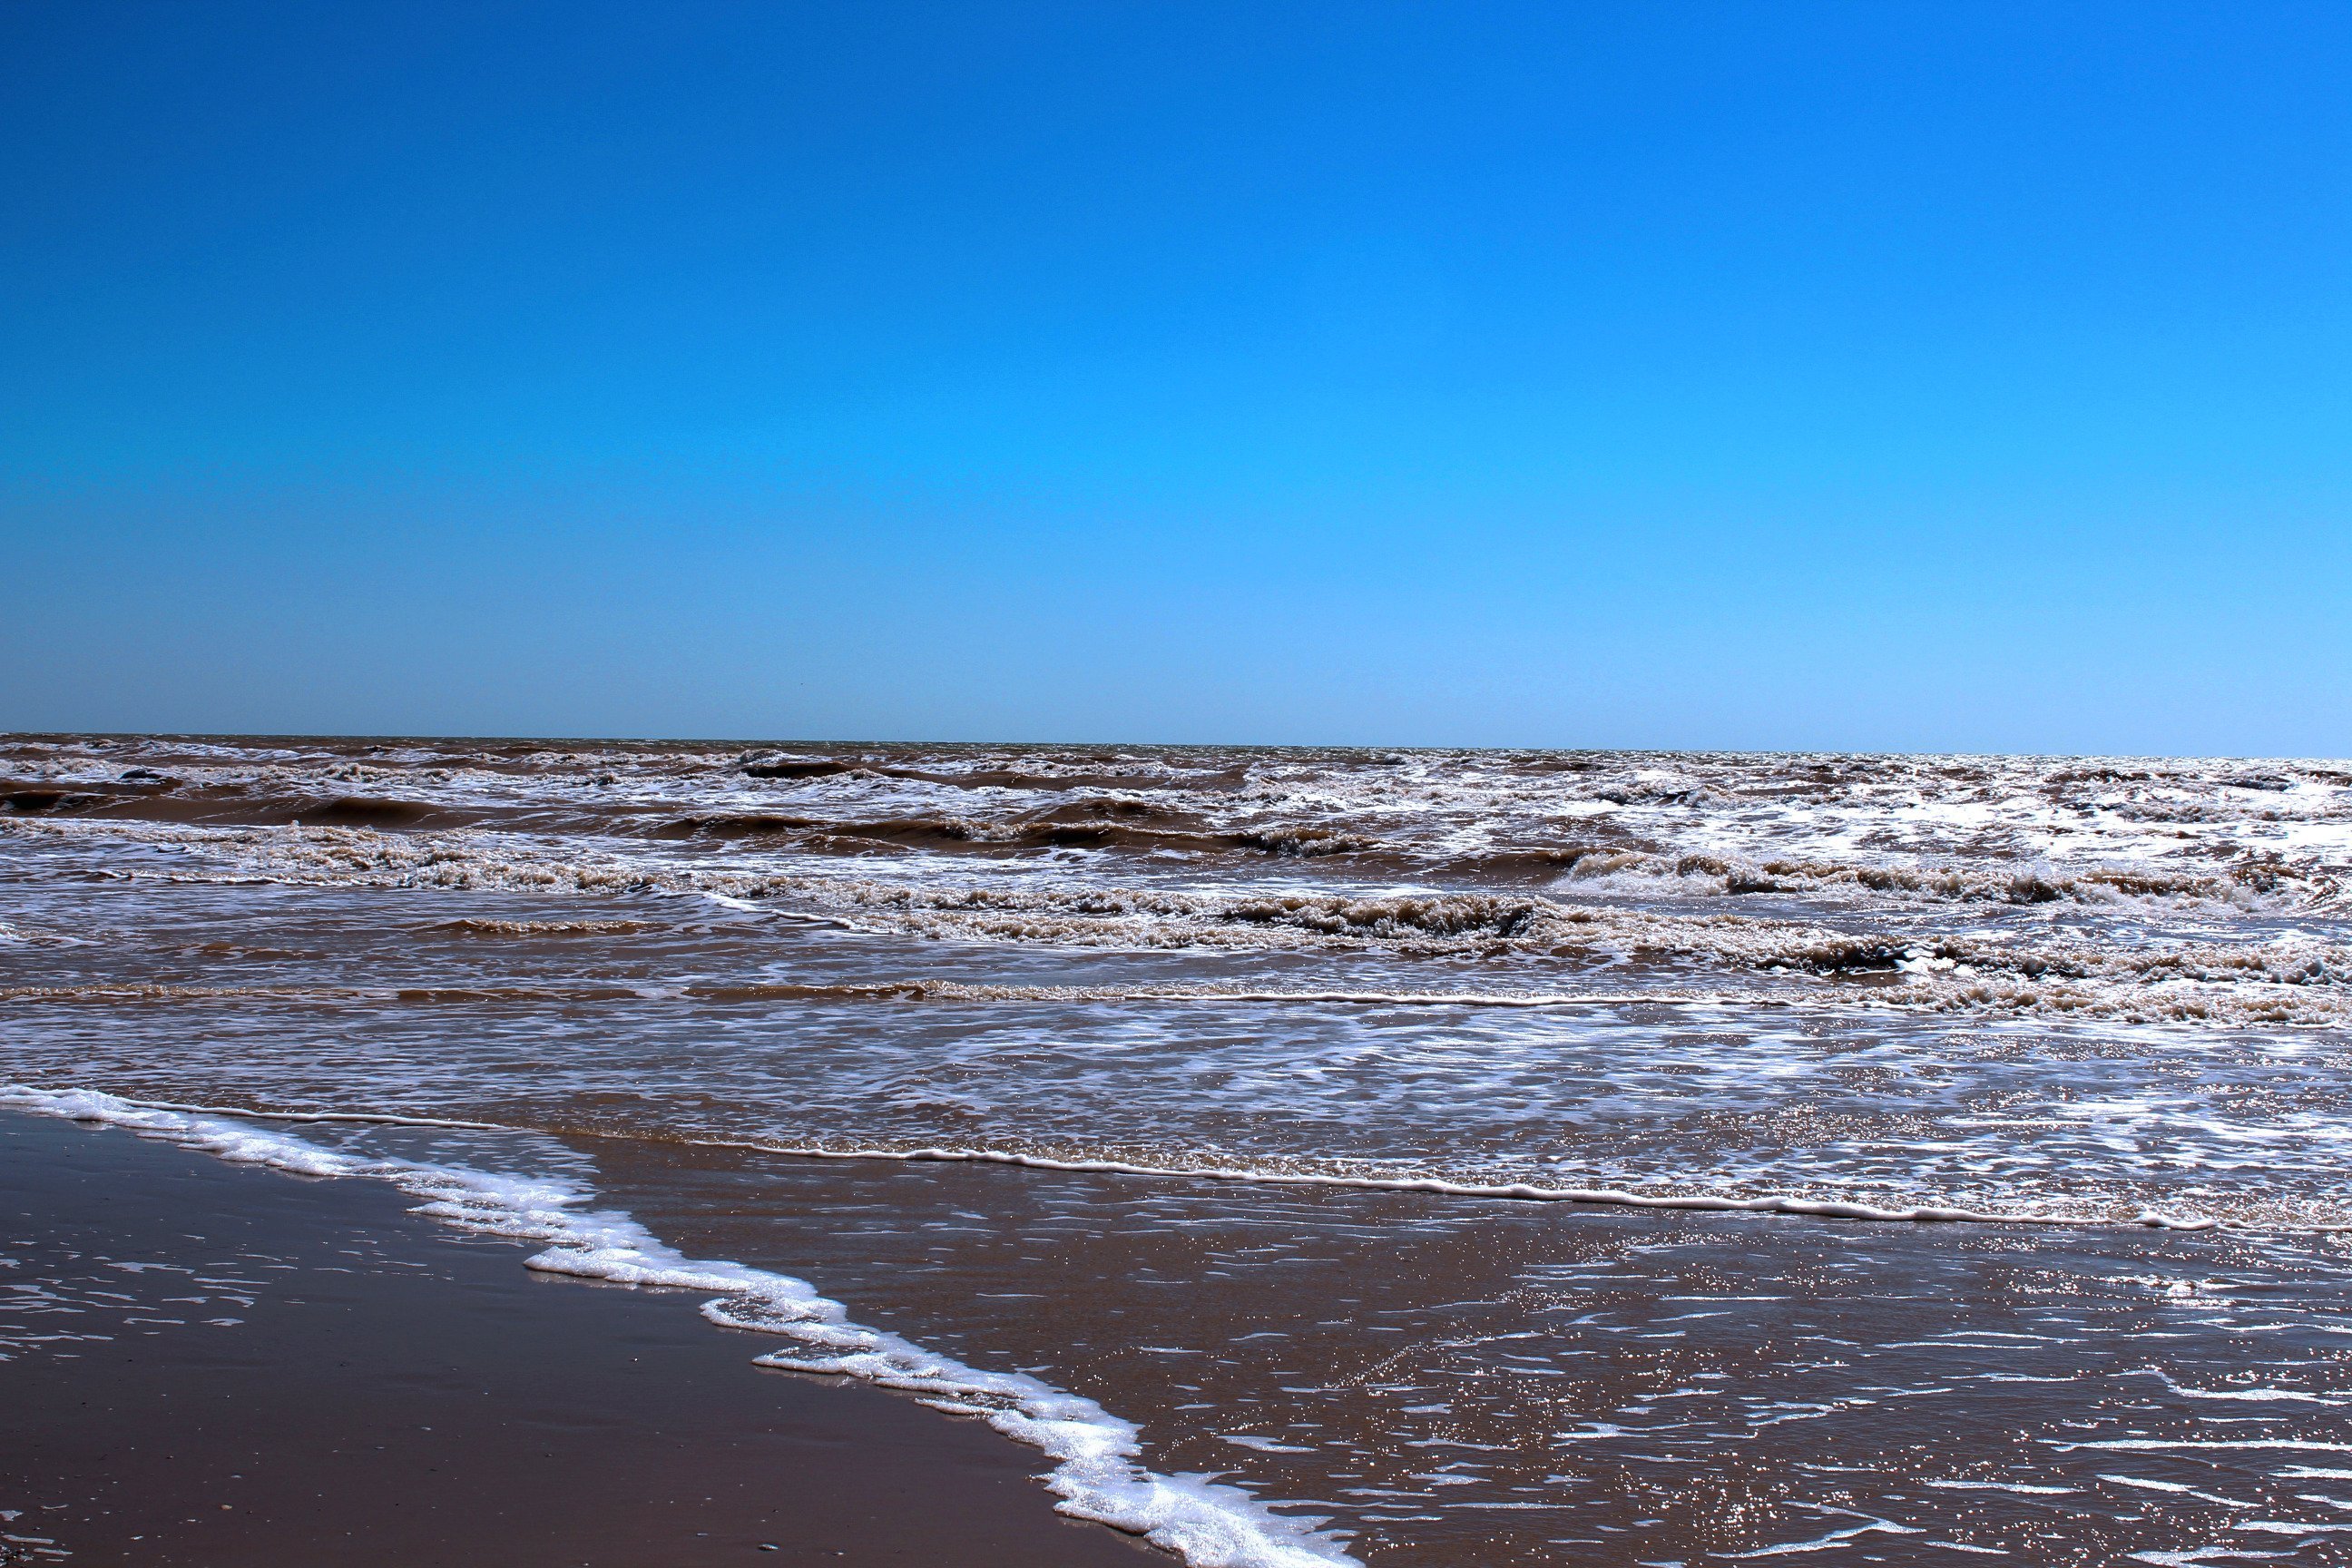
x,y
2132,889
2295,977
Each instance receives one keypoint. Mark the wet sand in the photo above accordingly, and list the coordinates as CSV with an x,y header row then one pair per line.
x,y
214,1364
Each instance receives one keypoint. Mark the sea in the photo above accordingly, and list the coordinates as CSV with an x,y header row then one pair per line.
x,y
1320,1156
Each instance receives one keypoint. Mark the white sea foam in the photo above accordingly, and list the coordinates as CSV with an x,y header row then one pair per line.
x,y
1972,966
1525,1192
1520,1192
1096,1474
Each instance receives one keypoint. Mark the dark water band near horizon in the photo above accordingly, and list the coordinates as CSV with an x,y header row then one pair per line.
x,y
1415,1158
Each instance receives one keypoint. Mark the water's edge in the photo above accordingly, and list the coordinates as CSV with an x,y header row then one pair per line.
x,y
1096,1475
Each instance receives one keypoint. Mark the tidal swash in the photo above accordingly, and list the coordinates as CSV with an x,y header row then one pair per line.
x,y
1413,1158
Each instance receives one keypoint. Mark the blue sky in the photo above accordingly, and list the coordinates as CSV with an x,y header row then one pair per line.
x,y
1873,375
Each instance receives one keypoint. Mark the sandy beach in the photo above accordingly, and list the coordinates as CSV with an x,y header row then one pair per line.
x,y
213,1364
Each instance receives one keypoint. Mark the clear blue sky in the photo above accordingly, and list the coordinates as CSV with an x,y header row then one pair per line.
x,y
1878,374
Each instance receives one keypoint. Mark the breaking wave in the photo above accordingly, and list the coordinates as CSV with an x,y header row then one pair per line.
x,y
2209,892
2295,978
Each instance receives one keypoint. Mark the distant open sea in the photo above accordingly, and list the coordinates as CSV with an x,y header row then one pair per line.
x,y
1424,1158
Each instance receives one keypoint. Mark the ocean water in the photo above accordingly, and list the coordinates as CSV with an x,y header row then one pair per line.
x,y
1426,1157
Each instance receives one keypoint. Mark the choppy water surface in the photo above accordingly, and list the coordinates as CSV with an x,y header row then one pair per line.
x,y
1329,1038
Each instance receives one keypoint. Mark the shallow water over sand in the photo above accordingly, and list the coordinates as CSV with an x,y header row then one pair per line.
x,y
1332,1038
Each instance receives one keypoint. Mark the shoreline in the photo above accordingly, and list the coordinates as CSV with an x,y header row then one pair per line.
x,y
209,1363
